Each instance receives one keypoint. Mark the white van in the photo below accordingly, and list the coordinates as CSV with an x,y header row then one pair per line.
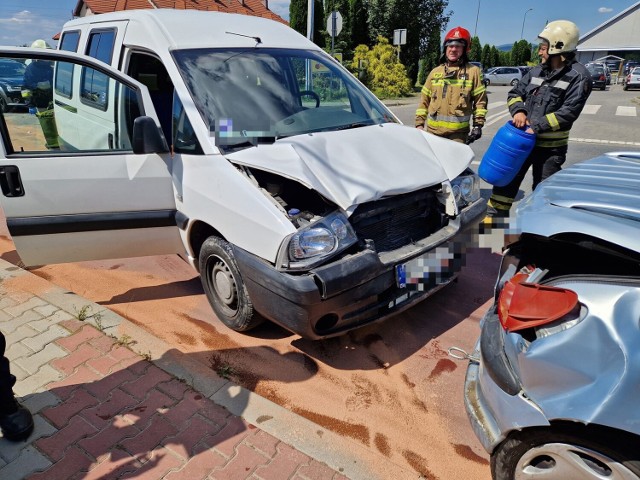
x,y
238,144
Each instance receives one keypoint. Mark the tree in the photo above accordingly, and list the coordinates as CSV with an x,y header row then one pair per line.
x,y
359,28
476,53
378,19
495,56
298,19
486,56
424,21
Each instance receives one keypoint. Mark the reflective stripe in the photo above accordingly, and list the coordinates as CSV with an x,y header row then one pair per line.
x,y
552,143
554,135
447,125
480,111
421,112
426,91
561,84
453,82
553,121
536,81
478,91
514,100
452,119
500,203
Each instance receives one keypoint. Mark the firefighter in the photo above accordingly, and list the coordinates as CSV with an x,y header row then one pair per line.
x,y
547,101
38,78
454,95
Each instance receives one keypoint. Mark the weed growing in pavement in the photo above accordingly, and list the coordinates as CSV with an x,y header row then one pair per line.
x,y
98,319
226,372
83,313
146,356
125,340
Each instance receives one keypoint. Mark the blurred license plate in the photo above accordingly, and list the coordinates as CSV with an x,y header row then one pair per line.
x,y
426,271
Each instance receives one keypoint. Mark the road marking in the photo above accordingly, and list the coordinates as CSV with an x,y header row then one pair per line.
x,y
604,142
494,118
626,111
591,109
495,105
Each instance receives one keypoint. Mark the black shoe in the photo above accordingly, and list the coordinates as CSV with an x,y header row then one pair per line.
x,y
18,425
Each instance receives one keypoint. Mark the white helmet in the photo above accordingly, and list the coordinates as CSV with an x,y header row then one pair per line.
x,y
39,44
561,35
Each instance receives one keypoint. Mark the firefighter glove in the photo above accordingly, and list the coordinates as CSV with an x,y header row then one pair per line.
x,y
476,133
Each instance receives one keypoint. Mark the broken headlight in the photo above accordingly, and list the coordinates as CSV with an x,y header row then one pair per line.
x,y
466,188
314,243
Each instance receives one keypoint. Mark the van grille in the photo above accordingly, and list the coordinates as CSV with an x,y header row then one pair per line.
x,y
398,221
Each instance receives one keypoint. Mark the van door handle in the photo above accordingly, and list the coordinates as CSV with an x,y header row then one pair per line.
x,y
10,181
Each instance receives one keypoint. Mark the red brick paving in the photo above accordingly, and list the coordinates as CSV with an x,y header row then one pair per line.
x,y
120,416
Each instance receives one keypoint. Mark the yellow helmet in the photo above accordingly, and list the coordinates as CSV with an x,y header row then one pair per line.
x,y
39,44
561,35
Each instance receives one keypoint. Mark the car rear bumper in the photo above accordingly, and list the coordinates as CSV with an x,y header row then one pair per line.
x,y
353,291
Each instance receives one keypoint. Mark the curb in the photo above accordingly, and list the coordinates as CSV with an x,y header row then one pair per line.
x,y
343,455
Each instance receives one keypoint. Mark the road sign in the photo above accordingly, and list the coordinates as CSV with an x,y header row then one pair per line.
x,y
400,36
334,24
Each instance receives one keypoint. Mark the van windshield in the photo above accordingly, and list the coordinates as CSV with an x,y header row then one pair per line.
x,y
258,94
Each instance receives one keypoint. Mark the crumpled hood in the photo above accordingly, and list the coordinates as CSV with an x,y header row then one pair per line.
x,y
350,167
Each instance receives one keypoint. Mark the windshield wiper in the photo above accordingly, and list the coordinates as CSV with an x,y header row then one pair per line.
x,y
353,125
250,142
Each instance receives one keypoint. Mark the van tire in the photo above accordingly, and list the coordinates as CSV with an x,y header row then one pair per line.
x,y
224,286
514,82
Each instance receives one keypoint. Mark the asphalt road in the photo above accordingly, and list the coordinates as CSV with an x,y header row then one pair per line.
x,y
391,388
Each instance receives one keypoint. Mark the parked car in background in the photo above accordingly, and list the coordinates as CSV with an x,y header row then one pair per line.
x,y
607,71
524,69
551,389
633,79
502,76
629,65
598,77
11,80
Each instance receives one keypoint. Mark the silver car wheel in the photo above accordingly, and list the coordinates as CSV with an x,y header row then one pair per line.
x,y
569,462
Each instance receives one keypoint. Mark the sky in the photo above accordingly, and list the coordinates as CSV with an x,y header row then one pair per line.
x,y
495,22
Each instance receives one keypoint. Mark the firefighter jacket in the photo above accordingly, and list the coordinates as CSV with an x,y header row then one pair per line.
x,y
450,97
552,101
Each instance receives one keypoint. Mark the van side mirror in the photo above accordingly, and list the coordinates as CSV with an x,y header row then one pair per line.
x,y
147,137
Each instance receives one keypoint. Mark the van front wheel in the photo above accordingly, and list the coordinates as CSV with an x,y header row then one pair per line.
x,y
224,287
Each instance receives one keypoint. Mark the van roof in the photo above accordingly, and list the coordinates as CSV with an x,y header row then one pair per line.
x,y
196,29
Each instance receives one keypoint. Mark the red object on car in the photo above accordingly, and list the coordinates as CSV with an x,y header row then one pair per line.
x,y
524,305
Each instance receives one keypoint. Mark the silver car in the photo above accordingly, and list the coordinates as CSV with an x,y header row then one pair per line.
x,y
503,76
552,389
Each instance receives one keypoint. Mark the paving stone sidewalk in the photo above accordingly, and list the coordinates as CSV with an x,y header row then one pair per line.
x,y
103,411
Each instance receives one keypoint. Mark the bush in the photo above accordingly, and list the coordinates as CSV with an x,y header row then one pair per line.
x,y
383,73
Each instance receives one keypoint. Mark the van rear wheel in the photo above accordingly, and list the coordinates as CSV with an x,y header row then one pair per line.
x,y
224,286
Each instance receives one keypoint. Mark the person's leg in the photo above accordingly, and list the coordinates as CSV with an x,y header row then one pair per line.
x,y
7,381
16,421
550,161
503,197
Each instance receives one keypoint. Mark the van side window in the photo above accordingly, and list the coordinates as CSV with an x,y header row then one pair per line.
x,y
150,71
69,41
93,84
100,45
64,74
75,126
